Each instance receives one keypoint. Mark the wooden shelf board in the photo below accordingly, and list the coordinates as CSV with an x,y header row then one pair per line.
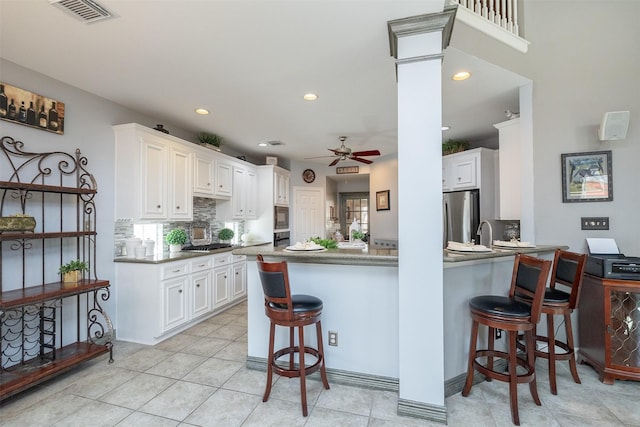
x,y
35,236
21,377
10,185
49,291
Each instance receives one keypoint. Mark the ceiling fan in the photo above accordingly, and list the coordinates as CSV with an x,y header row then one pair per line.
x,y
344,153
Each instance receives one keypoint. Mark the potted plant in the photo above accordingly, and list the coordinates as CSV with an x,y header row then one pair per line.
x,y
175,239
225,234
72,271
454,146
357,236
210,140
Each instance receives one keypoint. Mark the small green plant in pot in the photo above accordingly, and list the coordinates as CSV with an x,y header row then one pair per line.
x,y
175,239
72,271
210,139
225,234
357,235
454,146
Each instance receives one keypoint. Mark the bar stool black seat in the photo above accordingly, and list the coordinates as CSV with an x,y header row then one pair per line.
x,y
519,312
568,270
292,311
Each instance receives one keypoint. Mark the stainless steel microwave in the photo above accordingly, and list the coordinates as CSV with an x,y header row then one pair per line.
x,y
281,218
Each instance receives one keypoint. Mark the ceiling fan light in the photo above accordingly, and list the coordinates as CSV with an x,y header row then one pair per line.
x,y
310,97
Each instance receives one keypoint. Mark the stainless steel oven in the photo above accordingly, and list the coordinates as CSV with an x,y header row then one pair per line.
x,y
281,218
281,239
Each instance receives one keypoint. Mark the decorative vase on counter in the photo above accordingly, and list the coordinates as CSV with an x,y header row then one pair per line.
x,y
175,248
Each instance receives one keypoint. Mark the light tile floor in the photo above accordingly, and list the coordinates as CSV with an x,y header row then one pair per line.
x,y
199,378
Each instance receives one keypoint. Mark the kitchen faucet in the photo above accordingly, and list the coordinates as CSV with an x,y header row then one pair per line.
x,y
479,232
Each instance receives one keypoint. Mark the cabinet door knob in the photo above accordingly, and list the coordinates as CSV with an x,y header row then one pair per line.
x,y
158,206
198,285
179,291
177,207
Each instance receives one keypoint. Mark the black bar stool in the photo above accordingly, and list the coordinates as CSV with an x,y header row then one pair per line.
x,y
519,312
292,311
568,270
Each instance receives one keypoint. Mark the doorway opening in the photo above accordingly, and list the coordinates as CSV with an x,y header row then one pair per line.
x,y
354,205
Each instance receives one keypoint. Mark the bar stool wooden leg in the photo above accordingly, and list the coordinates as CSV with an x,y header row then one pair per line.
x,y
267,391
572,359
303,383
551,349
530,338
472,355
292,352
491,345
513,378
323,371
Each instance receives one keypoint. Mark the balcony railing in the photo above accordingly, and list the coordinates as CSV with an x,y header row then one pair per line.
x,y
498,18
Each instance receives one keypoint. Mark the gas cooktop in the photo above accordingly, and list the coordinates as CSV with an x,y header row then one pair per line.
x,y
209,247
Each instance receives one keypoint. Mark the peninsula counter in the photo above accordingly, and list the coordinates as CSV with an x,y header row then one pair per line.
x,y
359,289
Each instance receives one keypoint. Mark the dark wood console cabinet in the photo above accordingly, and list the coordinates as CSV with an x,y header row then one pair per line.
x,y
609,328
47,326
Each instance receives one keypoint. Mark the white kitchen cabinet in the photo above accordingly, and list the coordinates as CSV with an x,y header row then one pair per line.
x,y
153,175
239,277
251,197
203,175
223,181
281,186
222,280
201,286
174,303
244,198
464,171
510,162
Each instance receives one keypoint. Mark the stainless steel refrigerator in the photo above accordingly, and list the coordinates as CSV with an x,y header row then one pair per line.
x,y
460,215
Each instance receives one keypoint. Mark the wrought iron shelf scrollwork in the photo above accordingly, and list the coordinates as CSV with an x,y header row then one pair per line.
x,y
56,189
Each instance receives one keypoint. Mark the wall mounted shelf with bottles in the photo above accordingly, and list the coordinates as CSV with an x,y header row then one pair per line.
x,y
30,109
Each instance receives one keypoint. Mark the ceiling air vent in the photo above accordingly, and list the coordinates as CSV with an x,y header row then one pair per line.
x,y
87,11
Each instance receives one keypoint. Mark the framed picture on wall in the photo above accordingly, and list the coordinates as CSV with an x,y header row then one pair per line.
x,y
382,200
586,177
30,109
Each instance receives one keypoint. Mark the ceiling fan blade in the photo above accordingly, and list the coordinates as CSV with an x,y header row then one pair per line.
x,y
334,150
366,153
317,157
335,162
357,159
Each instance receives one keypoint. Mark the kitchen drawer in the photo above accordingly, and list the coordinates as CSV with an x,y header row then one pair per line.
x,y
202,263
222,260
174,270
239,258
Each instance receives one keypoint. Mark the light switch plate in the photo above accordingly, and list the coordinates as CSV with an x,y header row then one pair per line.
x,y
594,222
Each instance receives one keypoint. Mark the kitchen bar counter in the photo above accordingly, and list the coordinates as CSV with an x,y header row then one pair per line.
x,y
367,256
177,256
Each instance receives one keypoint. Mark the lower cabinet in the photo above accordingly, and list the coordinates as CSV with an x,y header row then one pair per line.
x,y
156,301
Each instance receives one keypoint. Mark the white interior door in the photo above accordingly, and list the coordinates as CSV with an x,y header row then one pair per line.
x,y
308,213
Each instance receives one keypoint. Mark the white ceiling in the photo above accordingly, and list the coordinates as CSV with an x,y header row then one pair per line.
x,y
249,63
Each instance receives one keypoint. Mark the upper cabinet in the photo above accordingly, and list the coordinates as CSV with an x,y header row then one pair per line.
x,y
162,187
281,186
468,169
244,198
224,178
203,175
510,169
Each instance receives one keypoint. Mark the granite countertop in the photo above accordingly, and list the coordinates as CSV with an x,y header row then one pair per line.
x,y
450,257
366,256
177,256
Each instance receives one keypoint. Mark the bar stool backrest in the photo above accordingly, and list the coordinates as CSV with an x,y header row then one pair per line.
x,y
568,270
274,277
528,282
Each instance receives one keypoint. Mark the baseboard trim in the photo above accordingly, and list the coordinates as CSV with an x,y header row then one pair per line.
x,y
456,384
375,382
410,408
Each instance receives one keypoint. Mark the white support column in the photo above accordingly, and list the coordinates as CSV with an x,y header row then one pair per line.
x,y
417,44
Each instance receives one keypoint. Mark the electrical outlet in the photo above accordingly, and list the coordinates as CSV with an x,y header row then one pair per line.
x,y
333,338
594,223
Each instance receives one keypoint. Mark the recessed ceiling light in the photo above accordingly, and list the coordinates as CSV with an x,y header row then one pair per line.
x,y
202,111
462,75
446,127
263,144
310,97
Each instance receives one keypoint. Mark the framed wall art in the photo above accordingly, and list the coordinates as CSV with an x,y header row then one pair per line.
x,y
382,200
586,177
30,109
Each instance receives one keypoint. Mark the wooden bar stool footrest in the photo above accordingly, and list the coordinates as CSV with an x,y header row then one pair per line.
x,y
294,373
523,378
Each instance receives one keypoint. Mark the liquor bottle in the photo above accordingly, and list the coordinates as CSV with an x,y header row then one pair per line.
x,y
11,111
3,103
22,113
31,115
42,118
53,117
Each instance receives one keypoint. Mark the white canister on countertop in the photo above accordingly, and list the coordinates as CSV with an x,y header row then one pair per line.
x,y
131,245
149,246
